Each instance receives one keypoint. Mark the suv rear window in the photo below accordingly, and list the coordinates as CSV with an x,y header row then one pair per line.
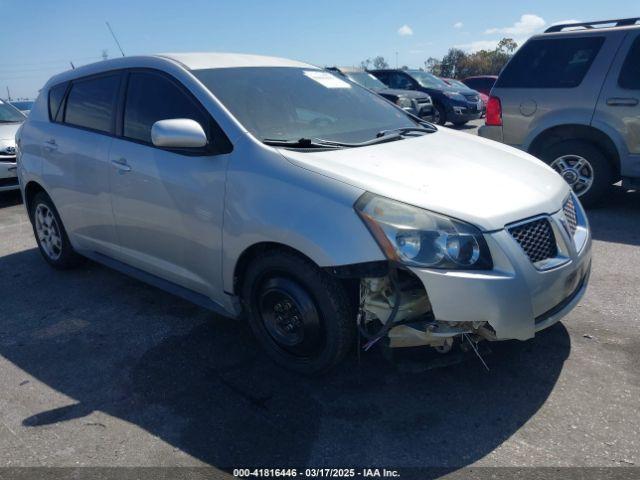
x,y
551,63
90,102
630,72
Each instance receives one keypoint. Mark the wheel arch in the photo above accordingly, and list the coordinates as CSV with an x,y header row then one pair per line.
x,y
254,251
31,189
586,133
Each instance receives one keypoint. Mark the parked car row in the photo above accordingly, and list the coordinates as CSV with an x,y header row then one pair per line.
x,y
571,97
311,205
10,120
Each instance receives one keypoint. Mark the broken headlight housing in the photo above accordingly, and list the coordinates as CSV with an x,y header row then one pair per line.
x,y
420,238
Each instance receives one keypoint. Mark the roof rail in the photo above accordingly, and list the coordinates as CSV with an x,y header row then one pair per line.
x,y
621,22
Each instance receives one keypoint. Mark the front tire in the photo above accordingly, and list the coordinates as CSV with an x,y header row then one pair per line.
x,y
439,114
460,124
301,315
50,234
584,167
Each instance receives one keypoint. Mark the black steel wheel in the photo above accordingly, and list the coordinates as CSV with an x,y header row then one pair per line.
x,y
300,314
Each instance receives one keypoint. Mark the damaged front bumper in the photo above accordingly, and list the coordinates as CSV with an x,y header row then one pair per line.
x,y
513,301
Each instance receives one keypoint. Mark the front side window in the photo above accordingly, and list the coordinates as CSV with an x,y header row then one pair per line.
x,y
551,63
400,81
630,72
10,114
152,97
285,103
427,80
366,80
91,102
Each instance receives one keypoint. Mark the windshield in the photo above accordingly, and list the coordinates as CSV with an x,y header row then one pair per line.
x,y
9,114
26,105
427,80
366,80
285,103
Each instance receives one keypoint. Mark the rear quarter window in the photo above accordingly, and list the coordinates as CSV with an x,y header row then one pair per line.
x,y
551,63
630,71
56,94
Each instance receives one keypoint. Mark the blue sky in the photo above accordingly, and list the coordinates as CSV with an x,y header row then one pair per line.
x,y
40,37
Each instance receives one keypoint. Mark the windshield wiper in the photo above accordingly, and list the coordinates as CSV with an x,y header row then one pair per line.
x,y
300,143
401,130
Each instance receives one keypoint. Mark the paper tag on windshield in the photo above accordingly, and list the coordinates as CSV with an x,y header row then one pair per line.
x,y
326,79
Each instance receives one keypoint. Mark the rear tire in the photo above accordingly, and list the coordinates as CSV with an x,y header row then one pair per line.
x,y
584,167
50,234
301,315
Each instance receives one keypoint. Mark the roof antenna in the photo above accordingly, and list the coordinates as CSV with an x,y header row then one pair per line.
x,y
73,67
115,38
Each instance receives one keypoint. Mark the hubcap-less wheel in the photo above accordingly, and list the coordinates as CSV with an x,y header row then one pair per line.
x,y
48,232
576,171
290,317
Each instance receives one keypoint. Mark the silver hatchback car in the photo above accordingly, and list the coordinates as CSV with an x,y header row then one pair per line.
x,y
272,189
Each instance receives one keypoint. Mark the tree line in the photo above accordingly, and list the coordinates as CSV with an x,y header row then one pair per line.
x,y
459,64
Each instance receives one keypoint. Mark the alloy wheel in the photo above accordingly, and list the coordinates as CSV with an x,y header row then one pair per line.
x,y
576,171
48,232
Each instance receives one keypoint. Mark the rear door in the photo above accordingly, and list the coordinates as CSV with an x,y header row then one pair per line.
x,y
168,203
553,79
618,111
75,166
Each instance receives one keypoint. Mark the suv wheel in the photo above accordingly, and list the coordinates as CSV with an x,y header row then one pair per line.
x,y
583,167
299,313
439,114
50,234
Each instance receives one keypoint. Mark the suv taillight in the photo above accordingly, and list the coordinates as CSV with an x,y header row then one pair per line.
x,y
494,112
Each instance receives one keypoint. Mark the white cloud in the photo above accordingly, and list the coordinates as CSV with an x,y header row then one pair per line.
x,y
478,45
527,25
458,25
405,31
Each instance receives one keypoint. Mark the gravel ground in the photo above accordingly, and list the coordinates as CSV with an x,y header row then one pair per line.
x,y
98,369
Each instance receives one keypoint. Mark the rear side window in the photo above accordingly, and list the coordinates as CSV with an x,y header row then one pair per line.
x,y
551,63
91,101
630,72
152,97
56,94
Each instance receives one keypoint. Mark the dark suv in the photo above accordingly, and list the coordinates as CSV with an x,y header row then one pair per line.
x,y
414,102
452,104
571,97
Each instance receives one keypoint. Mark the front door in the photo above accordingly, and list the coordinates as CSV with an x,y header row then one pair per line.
x,y
167,204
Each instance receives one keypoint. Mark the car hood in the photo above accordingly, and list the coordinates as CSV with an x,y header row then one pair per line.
x,y
8,130
473,179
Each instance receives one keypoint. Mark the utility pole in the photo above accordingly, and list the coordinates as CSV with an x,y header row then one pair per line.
x,y
396,60
105,55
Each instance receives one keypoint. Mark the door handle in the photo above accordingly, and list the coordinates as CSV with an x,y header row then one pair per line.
x,y
50,144
121,164
622,102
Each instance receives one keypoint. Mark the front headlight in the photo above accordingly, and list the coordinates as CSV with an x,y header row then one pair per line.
x,y
420,238
455,96
404,102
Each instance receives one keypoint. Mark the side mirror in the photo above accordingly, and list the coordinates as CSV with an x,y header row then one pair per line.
x,y
178,133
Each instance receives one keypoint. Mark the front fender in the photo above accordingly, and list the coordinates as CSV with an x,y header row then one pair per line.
x,y
268,199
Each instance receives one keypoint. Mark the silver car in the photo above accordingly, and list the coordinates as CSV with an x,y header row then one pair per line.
x,y
10,121
571,97
272,189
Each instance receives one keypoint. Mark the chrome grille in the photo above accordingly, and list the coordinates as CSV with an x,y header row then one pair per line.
x,y
569,210
536,239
